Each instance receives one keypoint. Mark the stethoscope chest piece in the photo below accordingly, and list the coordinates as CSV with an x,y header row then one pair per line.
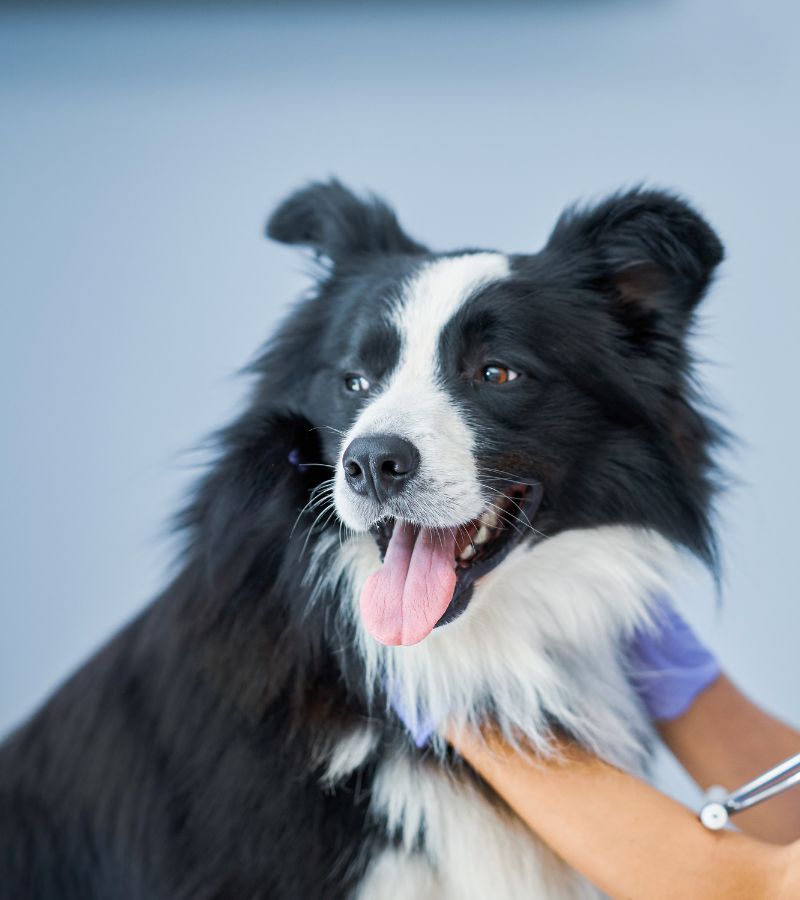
x,y
714,816
720,806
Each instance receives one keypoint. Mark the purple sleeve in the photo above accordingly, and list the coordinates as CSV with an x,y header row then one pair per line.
x,y
669,666
418,723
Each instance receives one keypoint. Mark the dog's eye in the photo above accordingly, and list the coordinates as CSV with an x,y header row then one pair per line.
x,y
498,374
355,383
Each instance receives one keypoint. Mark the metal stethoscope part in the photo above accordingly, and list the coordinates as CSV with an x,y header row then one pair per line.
x,y
720,806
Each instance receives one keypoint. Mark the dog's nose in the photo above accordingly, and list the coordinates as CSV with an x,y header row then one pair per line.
x,y
380,466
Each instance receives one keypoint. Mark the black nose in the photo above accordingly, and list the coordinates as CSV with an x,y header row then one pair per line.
x,y
380,466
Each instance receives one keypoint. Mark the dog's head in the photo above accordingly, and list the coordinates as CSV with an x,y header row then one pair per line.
x,y
471,401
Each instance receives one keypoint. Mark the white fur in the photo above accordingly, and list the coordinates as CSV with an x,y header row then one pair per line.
x,y
347,754
397,875
470,850
414,405
542,636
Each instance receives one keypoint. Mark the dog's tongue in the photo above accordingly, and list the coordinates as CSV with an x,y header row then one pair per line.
x,y
402,602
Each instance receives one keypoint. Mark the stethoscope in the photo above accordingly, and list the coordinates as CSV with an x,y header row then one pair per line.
x,y
721,806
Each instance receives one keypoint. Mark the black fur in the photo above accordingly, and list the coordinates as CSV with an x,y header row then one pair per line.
x,y
183,760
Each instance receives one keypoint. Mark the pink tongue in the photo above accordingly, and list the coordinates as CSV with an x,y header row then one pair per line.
x,y
408,595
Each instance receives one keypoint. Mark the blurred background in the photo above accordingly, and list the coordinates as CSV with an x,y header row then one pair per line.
x,y
143,146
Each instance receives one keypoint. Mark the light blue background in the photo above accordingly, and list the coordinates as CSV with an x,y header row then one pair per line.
x,y
142,149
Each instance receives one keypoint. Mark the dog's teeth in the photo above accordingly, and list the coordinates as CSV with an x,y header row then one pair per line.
x,y
467,553
489,519
482,535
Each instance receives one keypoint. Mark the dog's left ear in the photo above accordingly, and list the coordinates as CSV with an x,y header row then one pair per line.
x,y
648,250
333,221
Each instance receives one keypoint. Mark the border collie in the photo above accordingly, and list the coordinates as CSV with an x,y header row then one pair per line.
x,y
459,483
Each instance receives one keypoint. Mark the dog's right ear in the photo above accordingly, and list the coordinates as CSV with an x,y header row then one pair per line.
x,y
649,251
333,221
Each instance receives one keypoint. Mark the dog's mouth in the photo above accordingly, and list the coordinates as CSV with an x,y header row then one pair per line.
x,y
428,574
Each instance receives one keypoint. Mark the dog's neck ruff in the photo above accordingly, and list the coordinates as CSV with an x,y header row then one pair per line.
x,y
542,642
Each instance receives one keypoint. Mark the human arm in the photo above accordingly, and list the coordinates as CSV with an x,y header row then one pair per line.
x,y
625,836
724,738
717,734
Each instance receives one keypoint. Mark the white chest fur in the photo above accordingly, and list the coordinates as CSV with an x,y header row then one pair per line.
x,y
542,639
452,844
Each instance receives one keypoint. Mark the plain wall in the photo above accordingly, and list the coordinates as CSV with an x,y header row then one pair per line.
x,y
142,149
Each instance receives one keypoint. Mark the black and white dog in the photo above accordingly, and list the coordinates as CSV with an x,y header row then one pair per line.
x,y
459,483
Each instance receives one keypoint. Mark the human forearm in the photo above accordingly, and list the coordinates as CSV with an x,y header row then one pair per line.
x,y
726,739
625,836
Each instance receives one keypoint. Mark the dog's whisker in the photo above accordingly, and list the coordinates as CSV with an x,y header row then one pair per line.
x,y
511,519
316,496
329,428
502,475
330,510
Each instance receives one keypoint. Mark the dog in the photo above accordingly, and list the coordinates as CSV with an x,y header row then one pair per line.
x,y
458,485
